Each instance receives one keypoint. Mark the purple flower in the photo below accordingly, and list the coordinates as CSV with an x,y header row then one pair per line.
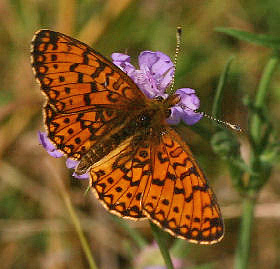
x,y
153,78
51,149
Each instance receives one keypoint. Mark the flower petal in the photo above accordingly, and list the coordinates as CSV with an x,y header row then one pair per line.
x,y
120,57
185,109
48,145
190,117
175,116
123,62
166,80
160,68
163,64
83,176
146,82
70,163
189,100
158,62
147,59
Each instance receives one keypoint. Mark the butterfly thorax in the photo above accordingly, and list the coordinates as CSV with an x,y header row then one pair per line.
x,y
145,123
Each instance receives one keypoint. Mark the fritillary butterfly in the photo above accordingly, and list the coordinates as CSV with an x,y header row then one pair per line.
x,y
139,167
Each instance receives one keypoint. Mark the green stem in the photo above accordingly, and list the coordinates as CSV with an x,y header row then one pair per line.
x,y
243,248
244,243
79,230
159,237
260,97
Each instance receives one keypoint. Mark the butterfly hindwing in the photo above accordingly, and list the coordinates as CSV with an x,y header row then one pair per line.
x,y
163,182
119,180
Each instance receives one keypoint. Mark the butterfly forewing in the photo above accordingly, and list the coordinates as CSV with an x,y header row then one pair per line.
x,y
138,166
87,95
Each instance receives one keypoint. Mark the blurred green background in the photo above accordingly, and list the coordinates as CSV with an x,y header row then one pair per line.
x,y
35,228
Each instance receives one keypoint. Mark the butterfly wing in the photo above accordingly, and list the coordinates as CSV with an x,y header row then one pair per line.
x,y
119,180
177,197
87,95
162,181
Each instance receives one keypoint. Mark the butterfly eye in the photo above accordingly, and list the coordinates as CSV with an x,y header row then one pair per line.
x,y
159,99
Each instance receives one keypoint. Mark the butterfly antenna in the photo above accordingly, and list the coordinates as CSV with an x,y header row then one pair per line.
x,y
177,50
225,123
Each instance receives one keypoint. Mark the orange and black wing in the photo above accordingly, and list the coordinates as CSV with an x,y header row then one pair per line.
x,y
177,197
87,95
162,181
119,180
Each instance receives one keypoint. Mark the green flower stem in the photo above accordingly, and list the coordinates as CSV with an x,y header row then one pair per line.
x,y
256,127
159,237
260,98
244,243
79,230
256,179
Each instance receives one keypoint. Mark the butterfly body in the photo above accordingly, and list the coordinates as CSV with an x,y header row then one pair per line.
x,y
142,125
138,166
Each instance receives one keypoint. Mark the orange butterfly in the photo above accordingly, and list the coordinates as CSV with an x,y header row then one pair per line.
x,y
138,166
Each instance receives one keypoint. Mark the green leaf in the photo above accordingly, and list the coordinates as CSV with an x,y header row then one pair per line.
x,y
259,39
220,89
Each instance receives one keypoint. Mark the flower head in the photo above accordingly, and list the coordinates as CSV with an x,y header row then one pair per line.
x,y
154,75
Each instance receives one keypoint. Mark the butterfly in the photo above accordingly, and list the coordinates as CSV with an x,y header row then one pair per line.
x,y
139,167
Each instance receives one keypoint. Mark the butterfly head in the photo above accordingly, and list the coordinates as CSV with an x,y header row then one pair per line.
x,y
168,103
